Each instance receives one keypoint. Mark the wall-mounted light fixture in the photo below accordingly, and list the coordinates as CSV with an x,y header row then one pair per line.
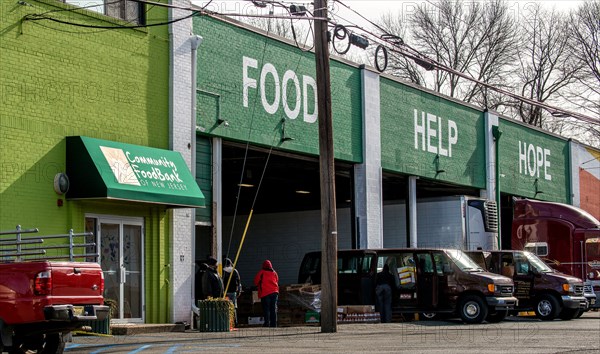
x,y
223,122
284,138
438,170
300,191
61,183
537,190
247,181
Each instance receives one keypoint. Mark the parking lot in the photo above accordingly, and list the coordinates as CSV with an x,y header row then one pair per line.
x,y
515,335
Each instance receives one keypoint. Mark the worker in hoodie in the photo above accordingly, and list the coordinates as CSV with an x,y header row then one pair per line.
x,y
268,291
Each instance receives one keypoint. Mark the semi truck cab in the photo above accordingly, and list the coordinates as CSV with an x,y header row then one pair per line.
x,y
565,237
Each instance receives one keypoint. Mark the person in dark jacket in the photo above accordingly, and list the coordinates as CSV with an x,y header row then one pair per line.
x,y
384,282
267,282
233,286
212,285
200,270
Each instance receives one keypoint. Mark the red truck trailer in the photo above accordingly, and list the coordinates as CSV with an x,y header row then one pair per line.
x,y
565,237
44,298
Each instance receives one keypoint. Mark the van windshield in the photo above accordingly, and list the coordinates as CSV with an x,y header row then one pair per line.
x,y
463,261
537,263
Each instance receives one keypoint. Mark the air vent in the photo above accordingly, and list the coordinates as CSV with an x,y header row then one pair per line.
x,y
491,216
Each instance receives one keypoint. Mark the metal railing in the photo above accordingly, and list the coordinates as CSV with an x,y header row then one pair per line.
x,y
24,247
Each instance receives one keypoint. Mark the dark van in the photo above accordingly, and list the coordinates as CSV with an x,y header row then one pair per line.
x,y
537,286
427,281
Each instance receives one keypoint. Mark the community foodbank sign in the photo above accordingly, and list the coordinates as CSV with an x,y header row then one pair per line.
x,y
138,170
291,92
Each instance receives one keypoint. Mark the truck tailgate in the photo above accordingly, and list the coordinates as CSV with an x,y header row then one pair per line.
x,y
79,281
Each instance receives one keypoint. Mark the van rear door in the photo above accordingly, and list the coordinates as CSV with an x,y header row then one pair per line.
x,y
427,281
355,278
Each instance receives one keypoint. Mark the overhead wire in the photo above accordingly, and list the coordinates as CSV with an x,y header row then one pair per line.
x,y
412,53
260,181
42,16
251,212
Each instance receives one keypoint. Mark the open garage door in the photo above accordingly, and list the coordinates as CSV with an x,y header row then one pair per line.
x,y
286,221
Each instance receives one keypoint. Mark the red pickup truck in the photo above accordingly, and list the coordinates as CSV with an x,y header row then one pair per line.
x,y
42,300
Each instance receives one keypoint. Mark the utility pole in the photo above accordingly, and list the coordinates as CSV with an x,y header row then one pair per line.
x,y
327,169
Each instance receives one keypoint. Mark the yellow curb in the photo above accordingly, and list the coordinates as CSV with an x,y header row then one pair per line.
x,y
84,333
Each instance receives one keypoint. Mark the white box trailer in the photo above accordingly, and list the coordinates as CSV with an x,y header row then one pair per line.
x,y
462,222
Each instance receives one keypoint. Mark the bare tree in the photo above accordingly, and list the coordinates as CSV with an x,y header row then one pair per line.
x,y
469,37
295,30
547,66
398,65
584,29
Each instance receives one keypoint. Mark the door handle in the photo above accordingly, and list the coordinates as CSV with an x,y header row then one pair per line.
x,y
123,274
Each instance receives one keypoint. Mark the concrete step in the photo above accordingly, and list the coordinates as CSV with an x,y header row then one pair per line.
x,y
134,328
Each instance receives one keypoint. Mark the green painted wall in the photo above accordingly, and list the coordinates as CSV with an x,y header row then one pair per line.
x,y
221,92
204,177
531,160
422,133
58,80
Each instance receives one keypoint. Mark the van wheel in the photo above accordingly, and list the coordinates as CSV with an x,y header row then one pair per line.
x,y
472,309
569,314
547,308
497,316
429,316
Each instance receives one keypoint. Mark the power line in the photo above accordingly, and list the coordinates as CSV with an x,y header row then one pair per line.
x,y
383,39
421,59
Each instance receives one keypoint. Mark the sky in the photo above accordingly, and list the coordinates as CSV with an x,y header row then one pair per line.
x,y
373,10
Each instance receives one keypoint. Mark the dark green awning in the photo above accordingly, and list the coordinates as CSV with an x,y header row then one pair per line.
x,y
102,169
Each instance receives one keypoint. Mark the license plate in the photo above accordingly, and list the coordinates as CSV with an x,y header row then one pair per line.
x,y
77,310
592,301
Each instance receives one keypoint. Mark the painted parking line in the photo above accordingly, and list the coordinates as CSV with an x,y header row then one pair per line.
x,y
102,349
179,348
144,347
172,349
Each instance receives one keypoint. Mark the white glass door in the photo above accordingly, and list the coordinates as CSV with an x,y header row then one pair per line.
x,y
121,258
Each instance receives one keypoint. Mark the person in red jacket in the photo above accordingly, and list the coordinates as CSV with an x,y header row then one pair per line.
x,y
268,291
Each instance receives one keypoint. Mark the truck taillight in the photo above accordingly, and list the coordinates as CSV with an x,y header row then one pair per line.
x,y
101,282
43,283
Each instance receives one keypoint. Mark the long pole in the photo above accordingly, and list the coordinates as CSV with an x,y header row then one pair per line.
x,y
327,168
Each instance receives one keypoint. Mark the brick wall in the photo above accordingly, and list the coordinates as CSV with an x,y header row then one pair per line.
x,y
58,80
221,92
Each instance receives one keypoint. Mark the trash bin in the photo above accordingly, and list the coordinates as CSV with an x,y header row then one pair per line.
x,y
214,315
101,327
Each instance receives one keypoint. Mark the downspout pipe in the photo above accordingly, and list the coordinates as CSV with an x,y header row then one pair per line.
x,y
195,42
497,133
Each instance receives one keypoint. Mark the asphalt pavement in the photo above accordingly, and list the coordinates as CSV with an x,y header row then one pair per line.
x,y
515,335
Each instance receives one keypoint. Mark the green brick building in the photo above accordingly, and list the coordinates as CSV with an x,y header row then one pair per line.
x,y
78,90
